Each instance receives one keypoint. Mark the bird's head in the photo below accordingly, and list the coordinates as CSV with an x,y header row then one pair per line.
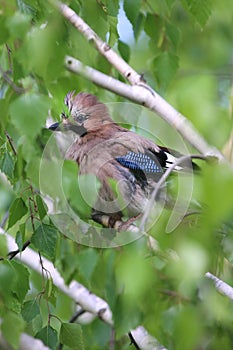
x,y
85,114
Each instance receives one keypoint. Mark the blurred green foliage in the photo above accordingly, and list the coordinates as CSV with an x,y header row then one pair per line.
x,y
184,50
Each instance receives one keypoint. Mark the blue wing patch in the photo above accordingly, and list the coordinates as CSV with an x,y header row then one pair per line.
x,y
140,161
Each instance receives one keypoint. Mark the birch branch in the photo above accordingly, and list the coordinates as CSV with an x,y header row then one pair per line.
x,y
26,342
93,304
116,61
101,79
76,291
144,340
221,286
142,93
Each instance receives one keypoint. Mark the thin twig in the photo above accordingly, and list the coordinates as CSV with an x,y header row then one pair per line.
x,y
32,210
112,339
11,143
9,81
12,254
9,57
194,212
174,295
76,315
45,272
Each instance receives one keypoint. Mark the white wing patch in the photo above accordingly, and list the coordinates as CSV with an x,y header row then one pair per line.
x,y
171,160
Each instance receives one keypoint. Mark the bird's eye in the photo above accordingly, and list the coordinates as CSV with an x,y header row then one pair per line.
x,y
80,118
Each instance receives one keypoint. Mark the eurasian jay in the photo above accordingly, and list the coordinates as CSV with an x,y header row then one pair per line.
x,y
109,151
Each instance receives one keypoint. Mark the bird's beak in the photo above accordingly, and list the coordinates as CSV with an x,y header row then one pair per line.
x,y
55,127
65,126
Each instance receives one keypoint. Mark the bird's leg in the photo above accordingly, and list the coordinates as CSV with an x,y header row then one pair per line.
x,y
127,225
106,220
114,221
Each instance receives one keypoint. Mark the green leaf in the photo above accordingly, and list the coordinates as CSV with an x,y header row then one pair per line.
x,y
19,25
173,35
3,246
48,47
4,105
20,236
199,9
36,324
21,280
132,9
165,66
30,310
28,114
13,304
33,166
139,25
3,30
14,283
87,260
89,187
212,192
113,7
19,169
80,190
7,165
71,335
19,240
49,287
124,50
206,114
188,326
41,206
12,327
139,267
6,278
95,16
26,8
125,315
113,30
170,3
17,210
154,29
49,337
45,239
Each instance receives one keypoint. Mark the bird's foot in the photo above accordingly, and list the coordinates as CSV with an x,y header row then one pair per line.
x,y
127,225
115,222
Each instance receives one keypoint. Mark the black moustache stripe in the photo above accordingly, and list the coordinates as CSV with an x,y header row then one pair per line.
x,y
78,129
